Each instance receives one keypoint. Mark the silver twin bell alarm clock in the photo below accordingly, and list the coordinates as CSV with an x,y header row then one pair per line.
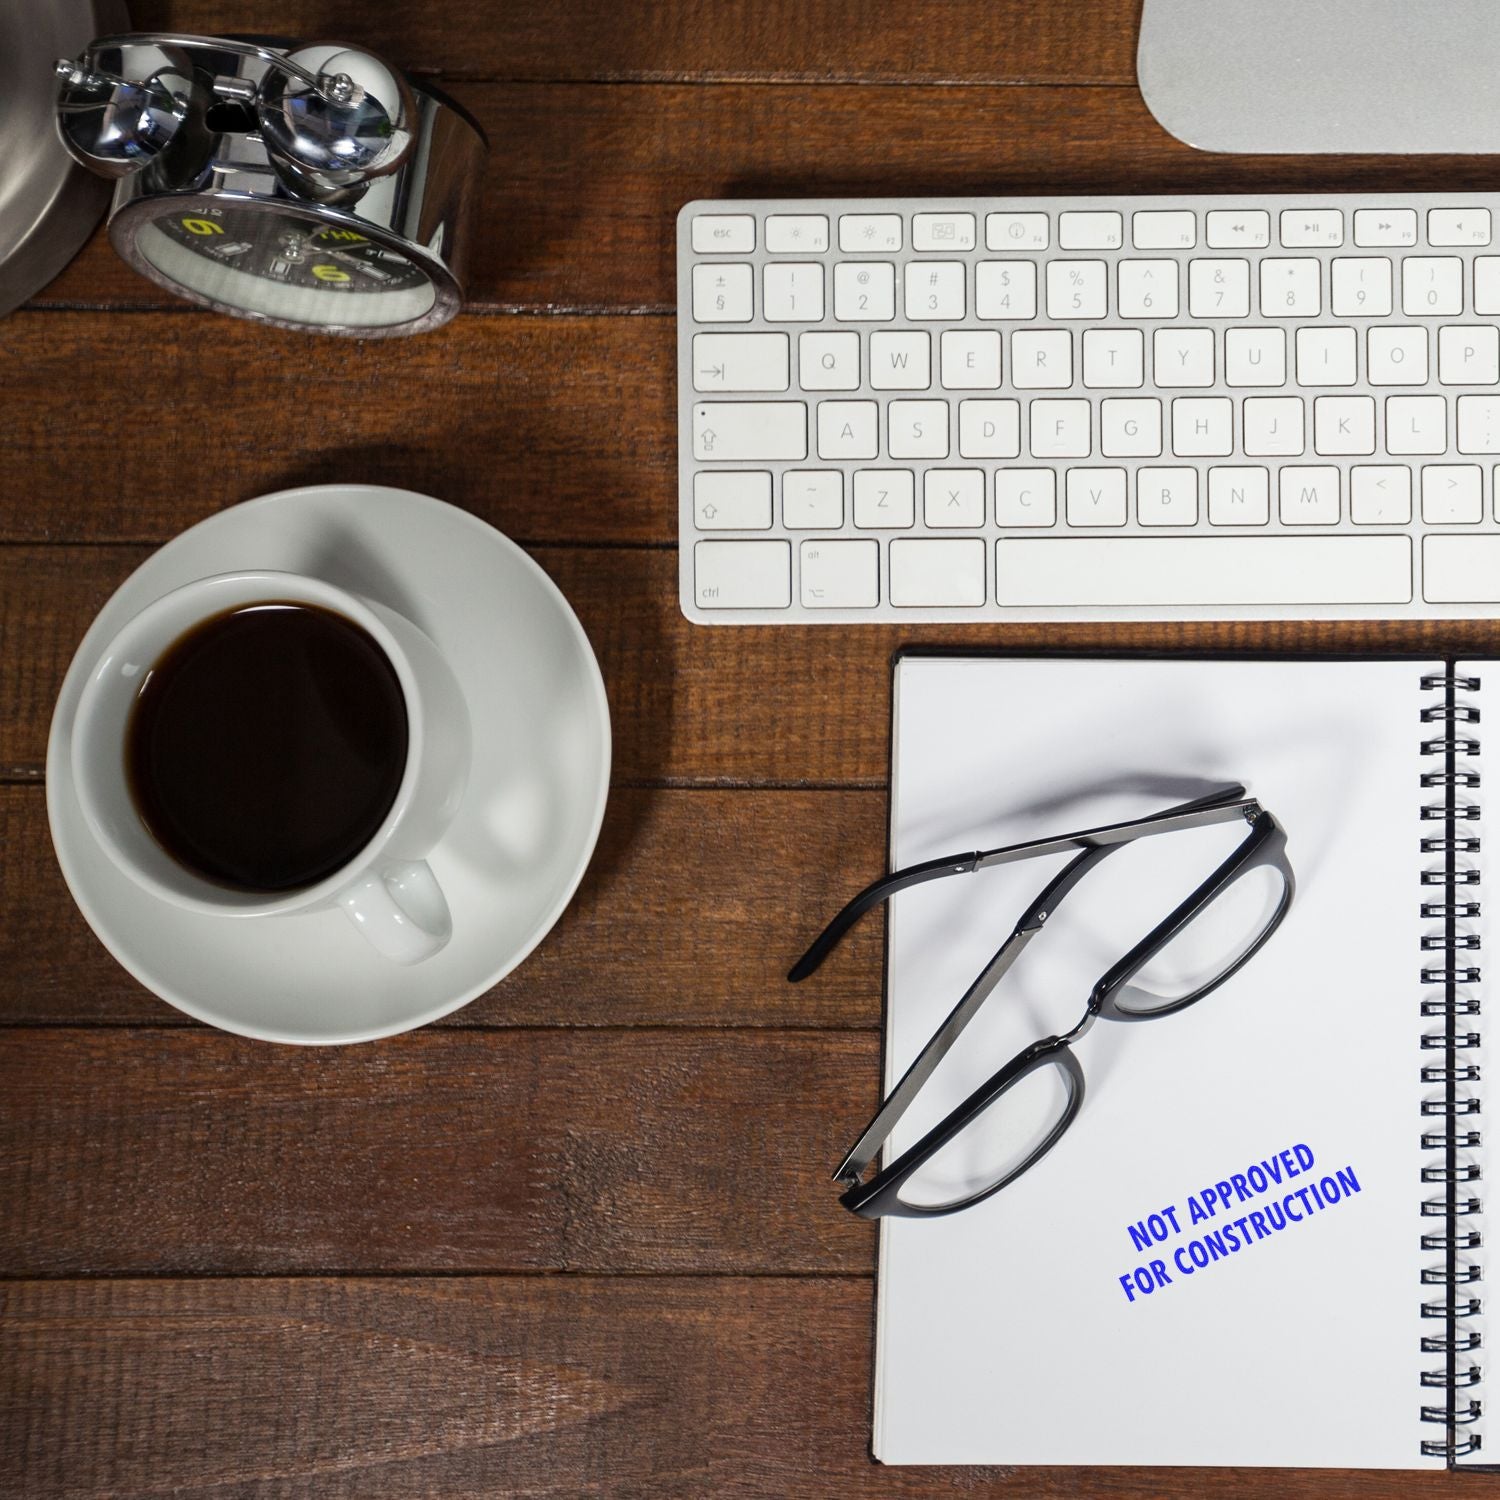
x,y
311,187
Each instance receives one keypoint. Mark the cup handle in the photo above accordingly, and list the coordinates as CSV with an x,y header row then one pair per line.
x,y
401,911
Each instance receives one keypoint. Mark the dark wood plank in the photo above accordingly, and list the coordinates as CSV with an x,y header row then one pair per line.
x,y
552,429
189,1152
689,703
695,906
585,181
657,1388
994,41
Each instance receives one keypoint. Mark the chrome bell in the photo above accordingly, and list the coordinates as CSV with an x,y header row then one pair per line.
x,y
119,107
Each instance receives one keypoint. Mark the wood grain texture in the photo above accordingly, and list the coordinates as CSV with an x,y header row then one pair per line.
x,y
694,907
585,181
543,1387
993,41
192,1152
689,704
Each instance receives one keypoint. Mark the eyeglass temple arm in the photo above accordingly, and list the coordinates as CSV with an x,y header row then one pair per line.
x,y
862,1153
1219,806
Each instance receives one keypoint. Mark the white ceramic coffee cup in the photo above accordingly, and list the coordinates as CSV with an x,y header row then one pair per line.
x,y
388,890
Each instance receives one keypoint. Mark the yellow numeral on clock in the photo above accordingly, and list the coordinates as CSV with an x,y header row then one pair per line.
x,y
329,273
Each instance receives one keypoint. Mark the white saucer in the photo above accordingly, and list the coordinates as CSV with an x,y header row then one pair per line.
x,y
523,835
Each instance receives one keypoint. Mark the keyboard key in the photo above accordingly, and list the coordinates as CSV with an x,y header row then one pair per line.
x,y
840,575
1219,288
723,293
1361,286
1238,229
1077,289
869,232
737,430
1025,497
934,290
1016,232
1309,495
729,500
864,291
937,574
1307,228
1202,426
1290,288
1130,427
1398,356
1166,497
1461,569
848,429
1255,356
1182,357
1458,226
1112,572
1041,359
1005,289
742,575
1164,229
812,499
989,429
1432,286
741,362
953,497
1113,358
1326,356
791,234
885,499
1479,424
1148,289
900,361
1469,354
1380,494
1238,495
1092,229
793,293
971,360
828,361
1274,426
1487,284
1452,494
1096,497
1375,227
942,231
1059,429
1416,424
723,234
1343,425
917,429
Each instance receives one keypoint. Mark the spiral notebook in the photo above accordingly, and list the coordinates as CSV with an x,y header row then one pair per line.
x,y
1333,1088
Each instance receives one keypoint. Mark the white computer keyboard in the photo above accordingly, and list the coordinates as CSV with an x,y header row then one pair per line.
x,y
1246,407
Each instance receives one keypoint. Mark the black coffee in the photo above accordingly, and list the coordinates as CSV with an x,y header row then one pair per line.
x,y
267,745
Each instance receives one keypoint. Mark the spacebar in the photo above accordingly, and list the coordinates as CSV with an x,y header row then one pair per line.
x,y
1205,570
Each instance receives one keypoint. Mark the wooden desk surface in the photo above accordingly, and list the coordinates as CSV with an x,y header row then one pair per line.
x,y
579,1238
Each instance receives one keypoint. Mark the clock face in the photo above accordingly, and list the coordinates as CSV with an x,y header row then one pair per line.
x,y
285,267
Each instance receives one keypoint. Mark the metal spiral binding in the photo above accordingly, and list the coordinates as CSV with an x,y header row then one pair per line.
x,y
1450,1138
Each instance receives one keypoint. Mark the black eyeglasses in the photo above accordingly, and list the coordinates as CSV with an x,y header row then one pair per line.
x,y
1014,1119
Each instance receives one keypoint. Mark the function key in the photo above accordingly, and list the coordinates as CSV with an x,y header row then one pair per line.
x,y
869,232
1458,226
723,234
789,233
1016,231
1311,228
1239,229
1095,229
1174,229
942,231
1376,228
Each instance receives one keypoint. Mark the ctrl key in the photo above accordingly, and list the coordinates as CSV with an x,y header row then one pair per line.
x,y
742,575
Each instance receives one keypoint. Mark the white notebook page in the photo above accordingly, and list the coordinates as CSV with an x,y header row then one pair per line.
x,y
1005,1335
